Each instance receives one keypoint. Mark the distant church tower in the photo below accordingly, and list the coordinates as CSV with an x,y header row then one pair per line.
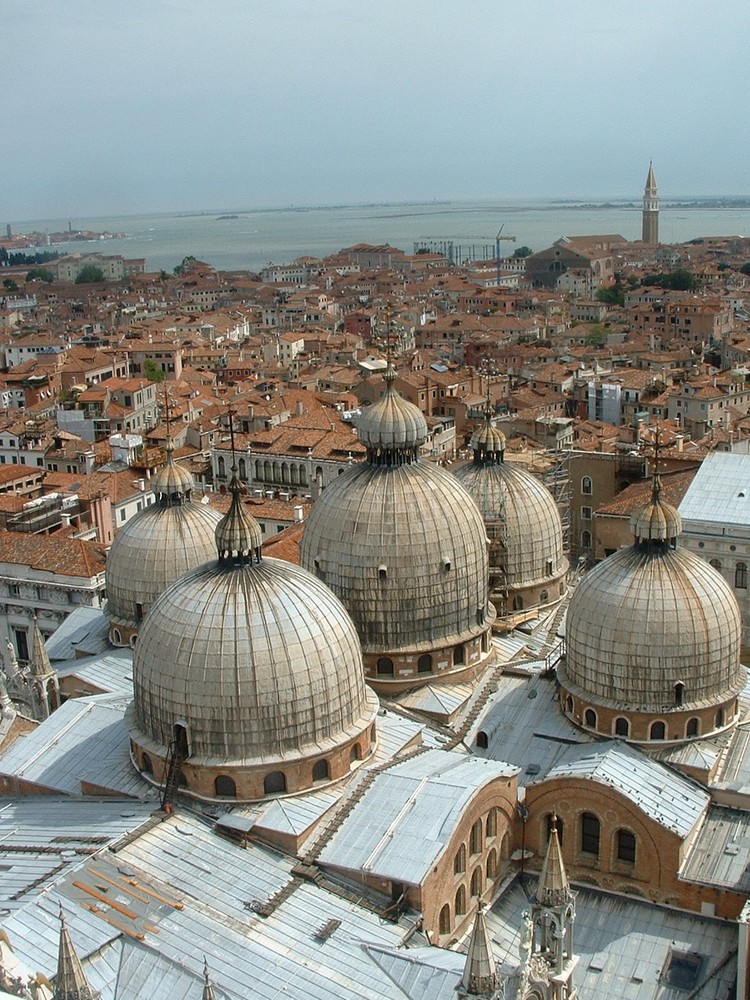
x,y
650,232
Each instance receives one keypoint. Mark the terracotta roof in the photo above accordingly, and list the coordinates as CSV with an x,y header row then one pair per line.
x,y
674,486
56,554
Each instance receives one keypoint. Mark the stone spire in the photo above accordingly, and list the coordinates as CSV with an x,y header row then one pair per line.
x,y
650,227
208,989
480,976
44,683
553,888
70,979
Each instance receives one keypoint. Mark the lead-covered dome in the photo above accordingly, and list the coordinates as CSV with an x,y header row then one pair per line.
x,y
653,639
403,546
257,665
156,547
527,564
392,423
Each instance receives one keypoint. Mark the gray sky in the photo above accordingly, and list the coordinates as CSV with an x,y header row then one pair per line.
x,y
119,106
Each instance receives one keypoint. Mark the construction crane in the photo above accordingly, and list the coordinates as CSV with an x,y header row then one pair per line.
x,y
448,246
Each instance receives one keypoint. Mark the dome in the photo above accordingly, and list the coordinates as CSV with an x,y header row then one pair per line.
x,y
527,563
156,547
653,629
403,546
172,480
392,423
257,664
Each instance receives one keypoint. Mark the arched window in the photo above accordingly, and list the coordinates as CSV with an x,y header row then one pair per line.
x,y
586,485
692,728
475,840
116,637
180,740
482,740
491,866
491,824
424,664
548,826
445,920
355,753
740,576
720,718
459,861
679,693
589,718
320,771
476,881
518,603
225,787
585,539
138,612
460,903
716,563
146,766
221,466
568,704
626,846
544,597
458,654
622,727
385,665
658,731
242,468
590,833
274,782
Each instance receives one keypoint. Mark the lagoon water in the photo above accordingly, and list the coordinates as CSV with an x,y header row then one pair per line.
x,y
256,237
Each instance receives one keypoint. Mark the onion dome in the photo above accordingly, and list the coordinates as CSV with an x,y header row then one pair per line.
x,y
156,546
653,638
403,546
527,563
393,424
259,665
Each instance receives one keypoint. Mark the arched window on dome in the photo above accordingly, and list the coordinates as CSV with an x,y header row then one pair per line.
x,y
132,641
460,901
491,867
321,771
146,766
740,576
116,637
424,664
658,731
589,718
355,753
585,539
225,787
626,846
444,923
716,563
459,861
518,603
569,705
719,722
138,612
476,881
482,741
458,655
587,486
590,834
274,783
622,727
384,666
679,693
693,727
544,597
475,838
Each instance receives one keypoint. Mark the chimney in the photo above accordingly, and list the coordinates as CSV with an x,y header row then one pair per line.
x,y
299,515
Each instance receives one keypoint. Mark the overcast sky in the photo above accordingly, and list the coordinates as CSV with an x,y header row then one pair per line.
x,y
123,106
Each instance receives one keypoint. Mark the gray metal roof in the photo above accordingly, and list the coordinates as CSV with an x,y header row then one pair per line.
x,y
111,672
719,854
672,800
406,817
85,740
85,631
720,491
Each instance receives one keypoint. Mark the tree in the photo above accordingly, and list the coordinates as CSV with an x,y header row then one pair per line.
x,y
185,265
745,269
613,295
10,285
40,273
597,334
152,371
88,274
522,251
680,280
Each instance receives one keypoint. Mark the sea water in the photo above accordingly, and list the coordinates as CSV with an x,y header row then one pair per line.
x,y
249,239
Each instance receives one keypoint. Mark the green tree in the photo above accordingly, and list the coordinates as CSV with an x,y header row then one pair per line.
x,y
613,295
680,280
88,274
522,251
40,273
10,285
152,371
597,334
185,265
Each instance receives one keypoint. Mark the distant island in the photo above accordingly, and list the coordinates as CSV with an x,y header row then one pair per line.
x,y
227,217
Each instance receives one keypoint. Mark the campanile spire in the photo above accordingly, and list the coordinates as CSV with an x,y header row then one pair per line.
x,y
650,229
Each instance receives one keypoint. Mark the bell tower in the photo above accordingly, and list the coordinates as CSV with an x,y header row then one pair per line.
x,y
650,227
